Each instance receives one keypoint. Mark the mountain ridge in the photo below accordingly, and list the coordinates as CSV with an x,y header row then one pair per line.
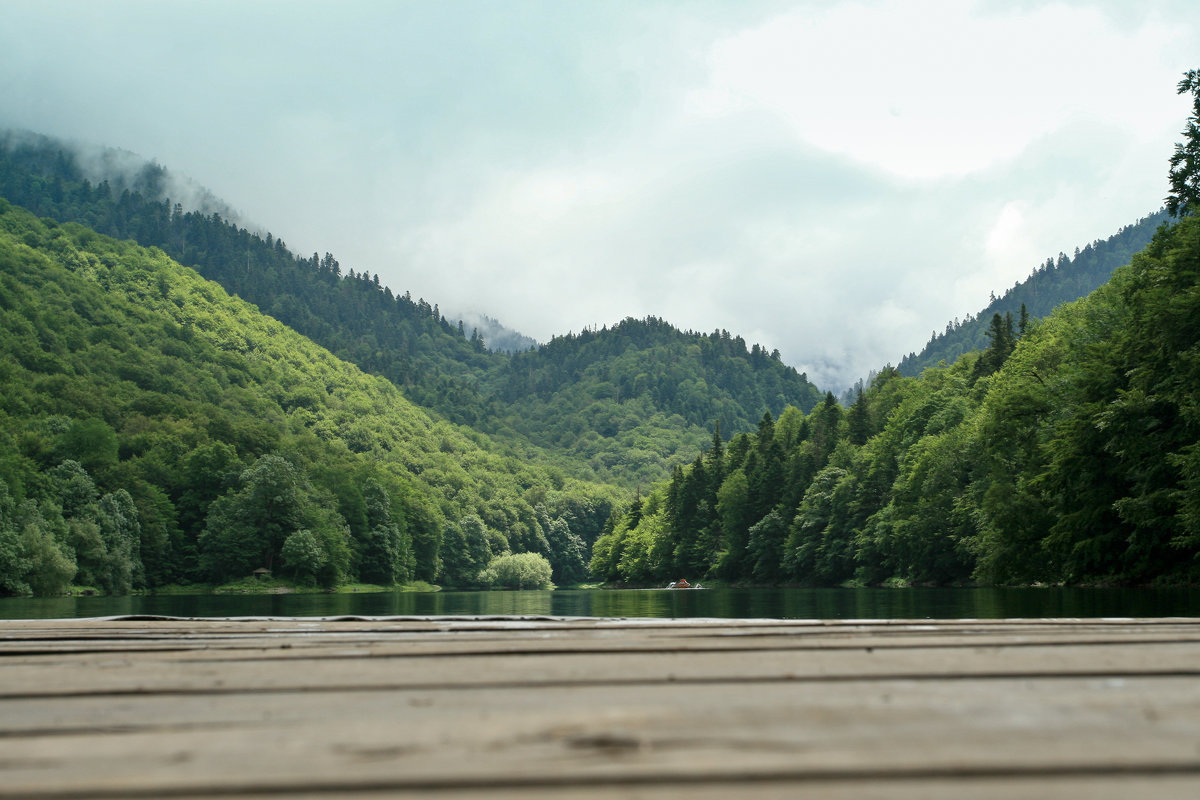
x,y
412,344
1054,282
153,381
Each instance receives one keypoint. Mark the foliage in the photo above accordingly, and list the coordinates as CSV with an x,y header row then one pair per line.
x,y
467,548
634,399
32,558
1185,161
1054,282
1067,452
303,555
386,553
621,405
155,430
517,571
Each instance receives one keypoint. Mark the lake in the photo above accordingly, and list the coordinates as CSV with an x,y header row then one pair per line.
x,y
979,603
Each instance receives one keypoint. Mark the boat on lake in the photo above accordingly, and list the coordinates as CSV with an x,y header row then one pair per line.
x,y
682,583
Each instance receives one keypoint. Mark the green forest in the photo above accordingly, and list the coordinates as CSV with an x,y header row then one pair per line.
x,y
187,402
1057,281
1067,451
621,405
155,430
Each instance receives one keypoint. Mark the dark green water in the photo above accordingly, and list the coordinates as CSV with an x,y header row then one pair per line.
x,y
725,603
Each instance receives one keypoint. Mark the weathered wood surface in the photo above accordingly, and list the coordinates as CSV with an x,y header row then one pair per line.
x,y
504,707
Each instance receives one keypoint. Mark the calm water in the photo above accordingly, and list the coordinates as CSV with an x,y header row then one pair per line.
x,y
727,603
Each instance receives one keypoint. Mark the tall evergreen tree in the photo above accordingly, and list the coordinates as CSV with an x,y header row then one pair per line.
x,y
1001,342
1185,162
859,419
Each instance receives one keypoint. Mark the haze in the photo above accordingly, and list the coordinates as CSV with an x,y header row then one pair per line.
x,y
832,179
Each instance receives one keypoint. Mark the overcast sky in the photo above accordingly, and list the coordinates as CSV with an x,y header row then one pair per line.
x,y
834,179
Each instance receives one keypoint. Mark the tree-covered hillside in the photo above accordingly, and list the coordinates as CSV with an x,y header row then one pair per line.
x,y
1055,282
634,396
404,340
598,403
1069,455
153,429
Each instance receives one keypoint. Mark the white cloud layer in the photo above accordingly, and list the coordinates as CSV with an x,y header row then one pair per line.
x,y
834,179
938,88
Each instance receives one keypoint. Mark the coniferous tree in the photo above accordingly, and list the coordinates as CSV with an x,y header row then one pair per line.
x,y
859,419
1185,161
1001,341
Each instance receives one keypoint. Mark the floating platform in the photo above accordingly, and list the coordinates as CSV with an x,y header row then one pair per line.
x,y
598,708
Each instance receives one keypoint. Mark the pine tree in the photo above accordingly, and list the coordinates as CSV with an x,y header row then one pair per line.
x,y
1001,342
1185,163
859,419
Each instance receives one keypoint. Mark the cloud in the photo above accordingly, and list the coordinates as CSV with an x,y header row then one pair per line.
x,y
936,88
834,179
814,219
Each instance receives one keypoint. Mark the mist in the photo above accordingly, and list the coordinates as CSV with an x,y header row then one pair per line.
x,y
834,179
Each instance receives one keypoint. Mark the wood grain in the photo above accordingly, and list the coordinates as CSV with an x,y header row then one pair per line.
x,y
530,707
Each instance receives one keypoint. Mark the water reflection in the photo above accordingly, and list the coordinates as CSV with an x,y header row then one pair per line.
x,y
725,603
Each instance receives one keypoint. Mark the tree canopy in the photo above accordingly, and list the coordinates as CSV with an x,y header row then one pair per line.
x,y
1185,161
620,405
1064,455
154,429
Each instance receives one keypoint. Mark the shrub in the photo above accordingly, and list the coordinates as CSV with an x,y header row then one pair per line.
x,y
517,571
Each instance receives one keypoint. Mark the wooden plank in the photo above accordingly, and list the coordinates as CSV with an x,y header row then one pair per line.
x,y
416,640
594,708
529,737
363,669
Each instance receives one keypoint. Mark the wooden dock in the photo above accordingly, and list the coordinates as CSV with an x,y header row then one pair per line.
x,y
594,708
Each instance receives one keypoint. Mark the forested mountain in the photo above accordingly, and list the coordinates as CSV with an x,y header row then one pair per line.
x,y
1055,282
154,429
404,340
1069,454
631,396
599,402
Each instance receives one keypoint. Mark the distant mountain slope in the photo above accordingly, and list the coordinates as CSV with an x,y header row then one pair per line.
x,y
1053,283
1069,456
406,341
589,409
157,383
634,393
